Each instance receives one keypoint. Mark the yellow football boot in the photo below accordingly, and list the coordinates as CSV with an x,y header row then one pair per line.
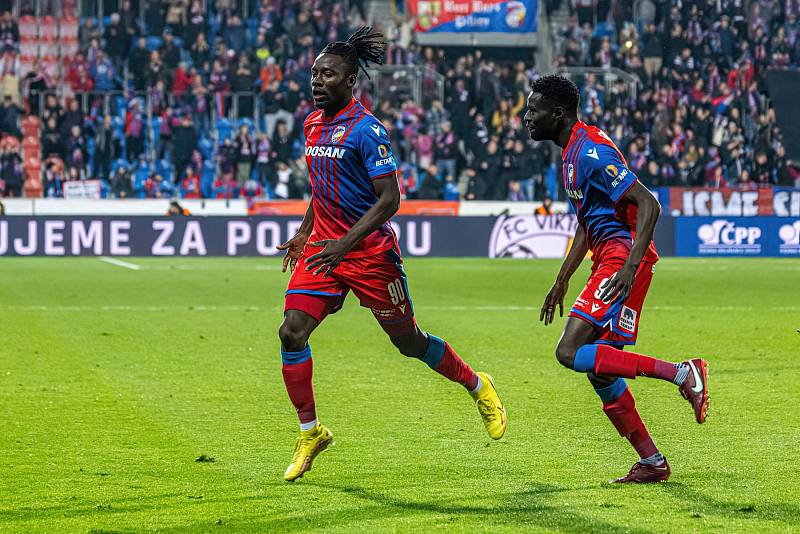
x,y
490,407
308,446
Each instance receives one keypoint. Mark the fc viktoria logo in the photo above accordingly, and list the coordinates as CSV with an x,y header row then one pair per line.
x,y
338,133
532,236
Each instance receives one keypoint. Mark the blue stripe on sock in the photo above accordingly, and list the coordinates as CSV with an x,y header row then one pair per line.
x,y
584,358
435,352
293,358
612,392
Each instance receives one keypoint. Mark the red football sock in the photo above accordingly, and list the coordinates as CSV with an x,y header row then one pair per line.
x,y
297,378
614,362
453,367
626,419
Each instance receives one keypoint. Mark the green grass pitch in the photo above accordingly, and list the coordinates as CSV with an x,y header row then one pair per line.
x,y
113,381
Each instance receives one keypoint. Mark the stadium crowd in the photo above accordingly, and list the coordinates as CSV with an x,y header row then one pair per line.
x,y
196,102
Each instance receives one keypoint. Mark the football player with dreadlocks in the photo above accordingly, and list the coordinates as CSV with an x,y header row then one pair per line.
x,y
345,243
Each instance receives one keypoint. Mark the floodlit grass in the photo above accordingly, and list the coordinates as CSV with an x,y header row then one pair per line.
x,y
114,381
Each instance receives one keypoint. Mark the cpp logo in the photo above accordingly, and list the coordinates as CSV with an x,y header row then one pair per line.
x,y
725,237
790,237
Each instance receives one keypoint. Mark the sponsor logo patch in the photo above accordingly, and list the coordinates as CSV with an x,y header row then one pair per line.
x,y
627,319
612,170
382,150
326,151
385,161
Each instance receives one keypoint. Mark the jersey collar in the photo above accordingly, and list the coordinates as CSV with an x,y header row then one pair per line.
x,y
577,127
339,115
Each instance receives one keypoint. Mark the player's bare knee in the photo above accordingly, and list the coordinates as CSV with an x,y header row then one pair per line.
x,y
293,336
565,354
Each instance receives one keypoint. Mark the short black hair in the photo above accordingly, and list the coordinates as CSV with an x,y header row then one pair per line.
x,y
362,48
558,90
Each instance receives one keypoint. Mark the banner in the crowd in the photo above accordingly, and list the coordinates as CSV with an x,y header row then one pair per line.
x,y
707,202
528,236
79,189
474,16
508,236
737,236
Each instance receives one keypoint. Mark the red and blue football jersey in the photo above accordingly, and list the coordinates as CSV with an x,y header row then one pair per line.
x,y
345,154
596,178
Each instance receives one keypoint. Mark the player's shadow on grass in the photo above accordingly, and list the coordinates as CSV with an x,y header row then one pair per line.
x,y
704,504
527,507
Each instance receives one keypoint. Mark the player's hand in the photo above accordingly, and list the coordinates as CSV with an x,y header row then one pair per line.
x,y
294,249
618,287
326,260
555,297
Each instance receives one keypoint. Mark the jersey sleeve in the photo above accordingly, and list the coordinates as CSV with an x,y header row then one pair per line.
x,y
609,172
376,152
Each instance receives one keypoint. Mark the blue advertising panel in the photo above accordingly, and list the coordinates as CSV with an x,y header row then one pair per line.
x,y
737,236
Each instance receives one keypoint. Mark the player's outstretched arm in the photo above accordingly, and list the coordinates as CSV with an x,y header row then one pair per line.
x,y
294,246
555,297
388,203
619,285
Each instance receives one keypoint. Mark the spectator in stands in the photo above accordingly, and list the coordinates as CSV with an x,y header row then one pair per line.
x,y
87,33
201,53
176,16
36,84
225,186
170,53
2,210
11,173
116,39
282,143
76,155
121,186
138,64
51,138
154,16
157,70
242,81
175,209
134,130
10,114
106,147
245,152
546,208
190,184
184,142
446,149
9,31
102,72
54,177
71,118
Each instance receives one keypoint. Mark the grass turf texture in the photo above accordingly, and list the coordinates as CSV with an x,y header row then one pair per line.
x,y
114,381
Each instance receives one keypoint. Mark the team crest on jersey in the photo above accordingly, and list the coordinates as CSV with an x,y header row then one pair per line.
x,y
570,173
612,171
383,151
338,133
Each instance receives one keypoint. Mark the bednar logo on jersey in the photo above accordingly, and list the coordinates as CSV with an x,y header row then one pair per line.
x,y
532,236
326,151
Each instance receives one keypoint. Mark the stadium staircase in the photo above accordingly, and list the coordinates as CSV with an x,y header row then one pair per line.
x,y
51,39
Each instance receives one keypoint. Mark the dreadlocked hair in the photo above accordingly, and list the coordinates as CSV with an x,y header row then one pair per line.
x,y
558,90
362,48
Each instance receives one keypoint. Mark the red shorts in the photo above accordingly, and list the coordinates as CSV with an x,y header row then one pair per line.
x,y
378,281
618,322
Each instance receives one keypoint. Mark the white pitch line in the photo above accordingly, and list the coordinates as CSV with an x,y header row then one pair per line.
x,y
204,308
120,263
